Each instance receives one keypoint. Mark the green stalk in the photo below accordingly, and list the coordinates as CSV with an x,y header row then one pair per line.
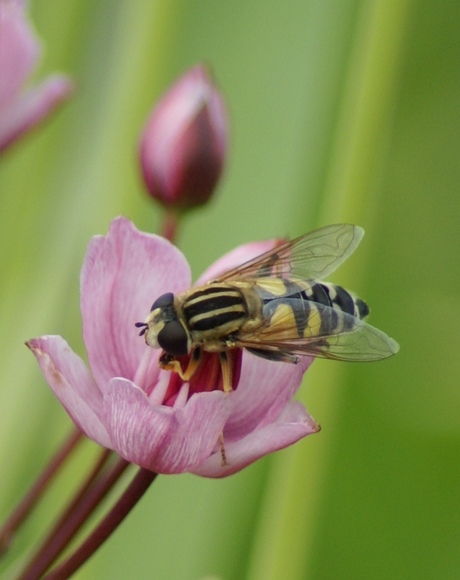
x,y
291,511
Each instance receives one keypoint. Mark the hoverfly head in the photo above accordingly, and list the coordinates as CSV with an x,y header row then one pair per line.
x,y
163,328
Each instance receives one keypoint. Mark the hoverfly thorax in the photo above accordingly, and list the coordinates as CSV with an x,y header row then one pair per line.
x,y
164,329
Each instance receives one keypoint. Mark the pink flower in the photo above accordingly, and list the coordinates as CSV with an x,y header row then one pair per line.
x,y
21,109
121,403
184,144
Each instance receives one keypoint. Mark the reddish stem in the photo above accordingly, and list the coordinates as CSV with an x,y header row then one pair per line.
x,y
169,225
109,523
94,490
38,488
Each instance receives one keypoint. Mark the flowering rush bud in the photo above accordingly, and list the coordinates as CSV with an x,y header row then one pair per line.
x,y
21,109
184,143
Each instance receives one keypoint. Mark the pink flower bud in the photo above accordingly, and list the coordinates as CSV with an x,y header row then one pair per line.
x,y
184,143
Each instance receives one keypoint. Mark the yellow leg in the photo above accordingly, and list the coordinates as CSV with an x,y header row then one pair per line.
x,y
227,372
174,365
227,376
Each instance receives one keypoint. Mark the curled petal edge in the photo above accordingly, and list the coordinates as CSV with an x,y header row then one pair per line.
x,y
72,384
293,424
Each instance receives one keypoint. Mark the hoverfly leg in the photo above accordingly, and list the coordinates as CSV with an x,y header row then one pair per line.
x,y
171,364
223,455
227,374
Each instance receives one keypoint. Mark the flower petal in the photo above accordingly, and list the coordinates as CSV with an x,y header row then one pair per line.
x,y
19,50
293,424
235,258
263,391
71,382
123,273
159,438
32,107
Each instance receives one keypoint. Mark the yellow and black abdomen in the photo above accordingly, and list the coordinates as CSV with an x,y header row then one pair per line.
x,y
339,298
309,308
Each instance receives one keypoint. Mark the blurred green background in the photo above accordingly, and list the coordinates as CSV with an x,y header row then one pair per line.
x,y
341,110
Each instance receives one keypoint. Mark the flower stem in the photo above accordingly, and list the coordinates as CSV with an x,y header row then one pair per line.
x,y
94,489
169,225
110,522
38,488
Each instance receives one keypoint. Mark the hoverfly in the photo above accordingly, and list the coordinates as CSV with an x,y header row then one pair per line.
x,y
275,306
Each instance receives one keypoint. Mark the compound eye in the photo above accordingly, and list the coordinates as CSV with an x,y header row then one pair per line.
x,y
173,338
163,301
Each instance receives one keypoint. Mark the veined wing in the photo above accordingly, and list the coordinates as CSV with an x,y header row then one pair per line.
x,y
317,330
313,255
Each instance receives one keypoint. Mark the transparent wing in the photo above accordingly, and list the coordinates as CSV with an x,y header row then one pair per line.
x,y
313,255
326,333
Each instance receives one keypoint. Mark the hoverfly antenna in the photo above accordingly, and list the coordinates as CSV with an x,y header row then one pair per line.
x,y
142,325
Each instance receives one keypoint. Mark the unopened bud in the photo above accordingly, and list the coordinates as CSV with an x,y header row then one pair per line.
x,y
184,144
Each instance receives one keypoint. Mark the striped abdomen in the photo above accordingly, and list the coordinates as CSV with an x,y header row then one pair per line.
x,y
312,308
218,309
336,297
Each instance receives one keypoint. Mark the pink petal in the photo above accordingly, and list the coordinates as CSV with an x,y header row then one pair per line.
x,y
19,50
293,424
71,382
235,258
264,390
123,273
32,107
159,438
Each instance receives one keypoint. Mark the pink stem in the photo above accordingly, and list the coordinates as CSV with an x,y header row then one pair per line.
x,y
169,225
38,488
109,523
93,491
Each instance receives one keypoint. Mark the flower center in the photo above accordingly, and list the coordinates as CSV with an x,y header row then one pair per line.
x,y
207,376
